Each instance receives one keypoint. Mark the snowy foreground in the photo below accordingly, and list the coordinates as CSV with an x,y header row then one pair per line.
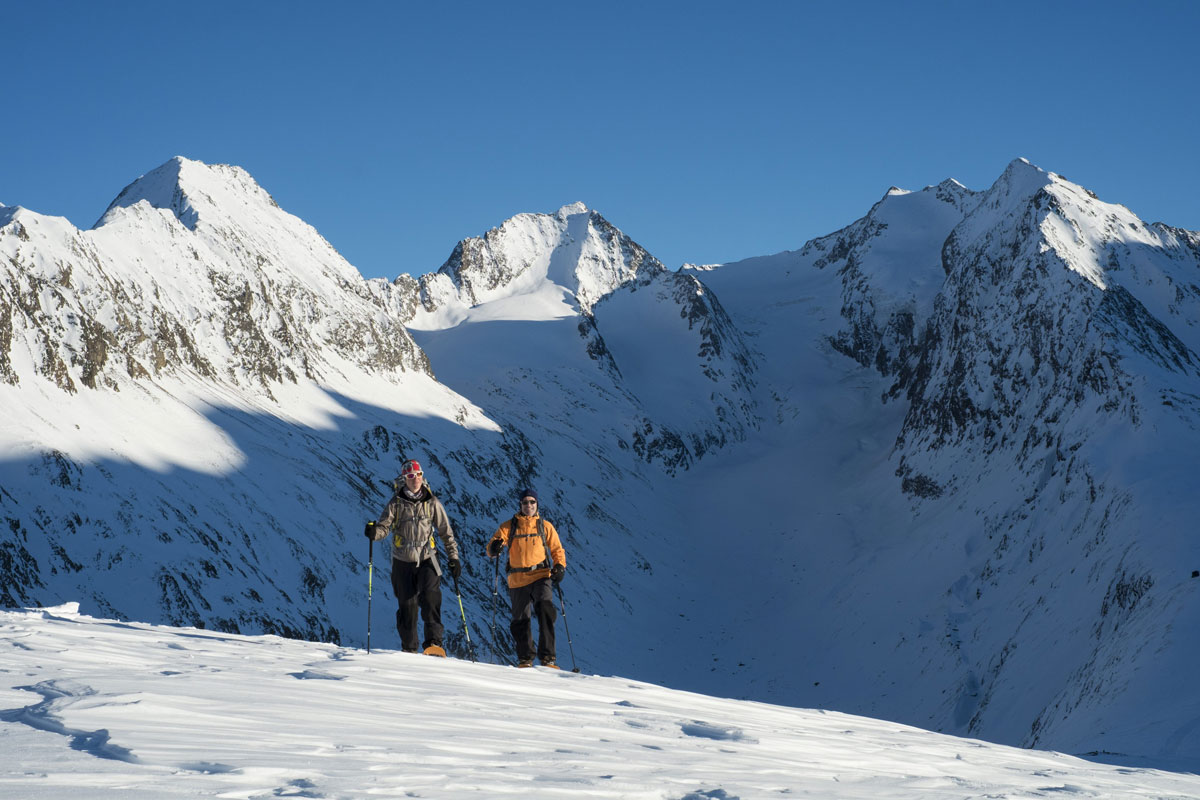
x,y
92,708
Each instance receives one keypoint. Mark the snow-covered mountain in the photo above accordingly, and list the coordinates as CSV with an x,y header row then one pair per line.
x,y
1005,474
193,268
573,270
566,262
934,467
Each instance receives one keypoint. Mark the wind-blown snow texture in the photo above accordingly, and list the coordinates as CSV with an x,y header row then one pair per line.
x,y
935,467
101,709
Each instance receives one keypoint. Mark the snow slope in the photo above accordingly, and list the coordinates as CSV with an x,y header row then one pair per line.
x,y
103,709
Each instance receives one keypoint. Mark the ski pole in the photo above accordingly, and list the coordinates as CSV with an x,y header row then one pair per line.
x,y
370,577
466,628
562,604
495,595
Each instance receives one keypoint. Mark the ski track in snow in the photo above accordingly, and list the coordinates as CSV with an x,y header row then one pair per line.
x,y
99,709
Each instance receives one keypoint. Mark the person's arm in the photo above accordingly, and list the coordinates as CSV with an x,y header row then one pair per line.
x,y
386,518
497,542
557,554
442,521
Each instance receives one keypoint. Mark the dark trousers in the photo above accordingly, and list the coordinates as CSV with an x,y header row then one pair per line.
x,y
417,586
538,597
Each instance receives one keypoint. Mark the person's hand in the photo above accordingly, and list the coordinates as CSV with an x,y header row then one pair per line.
x,y
557,572
494,548
455,567
371,531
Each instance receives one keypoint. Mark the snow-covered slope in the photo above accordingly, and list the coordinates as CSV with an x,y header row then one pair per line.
x,y
934,467
99,709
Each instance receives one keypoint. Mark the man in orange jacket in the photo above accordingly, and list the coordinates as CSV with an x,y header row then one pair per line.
x,y
535,559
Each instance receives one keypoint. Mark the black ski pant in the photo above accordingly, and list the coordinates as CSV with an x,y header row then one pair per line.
x,y
538,597
417,586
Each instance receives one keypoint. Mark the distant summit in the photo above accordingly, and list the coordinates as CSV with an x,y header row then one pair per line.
x,y
570,259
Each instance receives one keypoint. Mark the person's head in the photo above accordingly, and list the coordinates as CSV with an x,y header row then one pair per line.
x,y
529,502
413,476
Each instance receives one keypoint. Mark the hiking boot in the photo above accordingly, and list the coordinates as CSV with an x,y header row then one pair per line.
x,y
548,662
525,662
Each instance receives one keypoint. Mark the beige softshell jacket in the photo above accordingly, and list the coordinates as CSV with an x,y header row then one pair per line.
x,y
412,525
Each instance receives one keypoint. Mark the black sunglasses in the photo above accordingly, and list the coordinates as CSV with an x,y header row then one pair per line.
x,y
529,502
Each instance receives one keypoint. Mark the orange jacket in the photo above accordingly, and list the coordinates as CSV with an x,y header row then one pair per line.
x,y
526,549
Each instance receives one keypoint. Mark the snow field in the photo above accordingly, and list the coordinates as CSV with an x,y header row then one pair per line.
x,y
98,709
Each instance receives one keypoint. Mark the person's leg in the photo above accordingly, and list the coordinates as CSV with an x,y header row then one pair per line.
x,y
404,584
547,614
522,624
429,591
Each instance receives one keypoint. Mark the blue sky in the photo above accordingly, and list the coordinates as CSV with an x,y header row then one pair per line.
x,y
706,131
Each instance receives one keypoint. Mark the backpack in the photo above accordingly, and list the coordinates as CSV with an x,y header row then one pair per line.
x,y
541,529
426,512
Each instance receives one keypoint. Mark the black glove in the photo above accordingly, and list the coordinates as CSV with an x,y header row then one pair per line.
x,y
494,548
371,531
455,567
557,572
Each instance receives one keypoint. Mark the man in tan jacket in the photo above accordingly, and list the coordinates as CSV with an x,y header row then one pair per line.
x,y
536,559
412,517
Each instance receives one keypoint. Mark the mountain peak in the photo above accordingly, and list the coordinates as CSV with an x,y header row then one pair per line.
x,y
191,189
568,260
947,193
1023,178
572,209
